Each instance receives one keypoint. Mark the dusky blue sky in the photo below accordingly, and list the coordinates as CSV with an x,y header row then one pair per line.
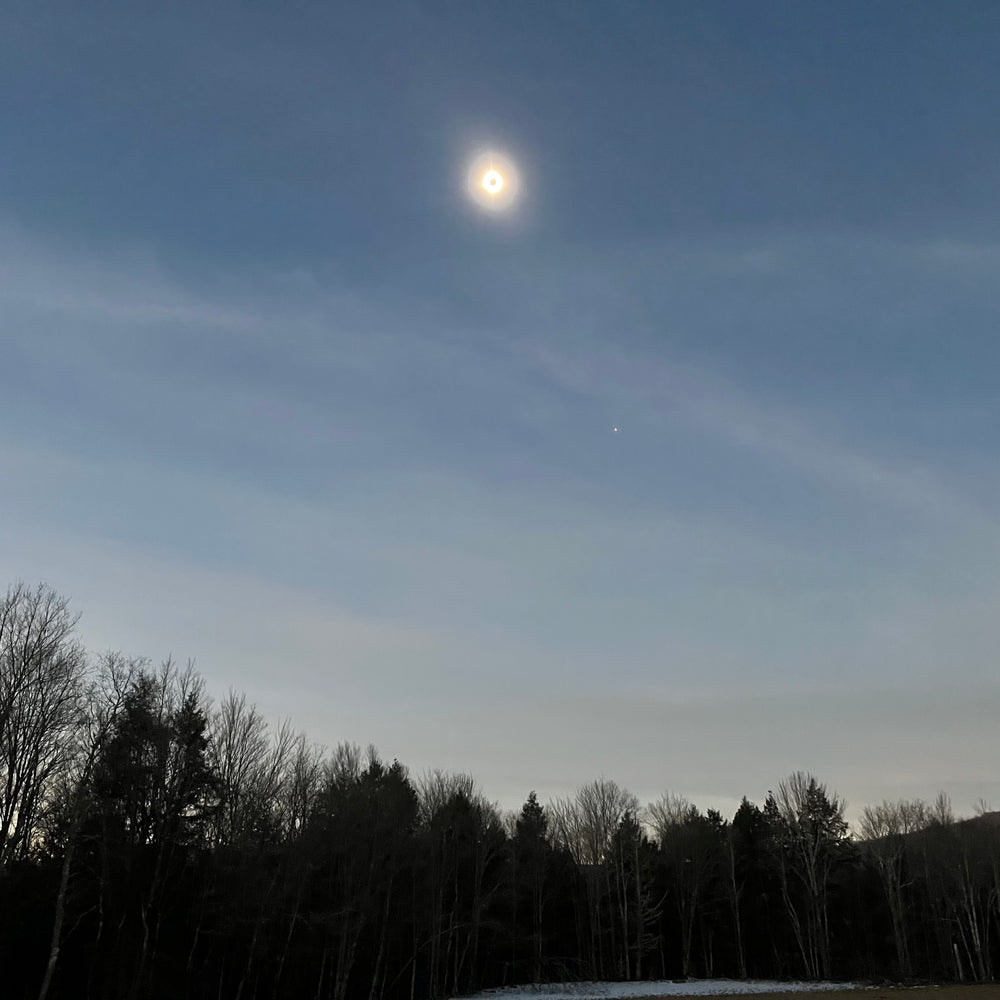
x,y
275,395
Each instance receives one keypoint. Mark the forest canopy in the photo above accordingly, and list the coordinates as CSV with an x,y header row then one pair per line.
x,y
154,844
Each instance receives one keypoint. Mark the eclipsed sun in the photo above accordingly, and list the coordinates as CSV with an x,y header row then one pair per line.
x,y
493,181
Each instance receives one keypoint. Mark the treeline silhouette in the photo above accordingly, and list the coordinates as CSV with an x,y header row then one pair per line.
x,y
155,845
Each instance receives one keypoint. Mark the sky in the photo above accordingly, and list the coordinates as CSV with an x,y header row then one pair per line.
x,y
277,396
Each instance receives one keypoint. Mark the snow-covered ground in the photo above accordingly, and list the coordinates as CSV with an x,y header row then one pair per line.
x,y
664,988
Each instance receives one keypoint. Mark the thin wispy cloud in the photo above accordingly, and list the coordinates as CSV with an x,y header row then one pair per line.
x,y
258,341
671,391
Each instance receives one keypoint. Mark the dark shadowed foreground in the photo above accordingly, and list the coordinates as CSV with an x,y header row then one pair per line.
x,y
154,845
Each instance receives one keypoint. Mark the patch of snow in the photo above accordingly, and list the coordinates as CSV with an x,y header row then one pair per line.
x,y
661,988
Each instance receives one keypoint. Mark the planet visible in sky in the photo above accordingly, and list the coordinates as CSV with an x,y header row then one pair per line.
x,y
493,180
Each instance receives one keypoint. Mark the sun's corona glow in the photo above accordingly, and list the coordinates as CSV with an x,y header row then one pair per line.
x,y
493,180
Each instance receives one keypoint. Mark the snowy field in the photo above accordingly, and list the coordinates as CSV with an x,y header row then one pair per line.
x,y
663,988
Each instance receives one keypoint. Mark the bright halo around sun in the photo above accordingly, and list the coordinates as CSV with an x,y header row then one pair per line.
x,y
493,181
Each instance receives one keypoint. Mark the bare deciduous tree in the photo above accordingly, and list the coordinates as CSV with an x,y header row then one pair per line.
x,y
103,701
250,765
813,832
884,829
586,826
436,788
42,669
667,813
